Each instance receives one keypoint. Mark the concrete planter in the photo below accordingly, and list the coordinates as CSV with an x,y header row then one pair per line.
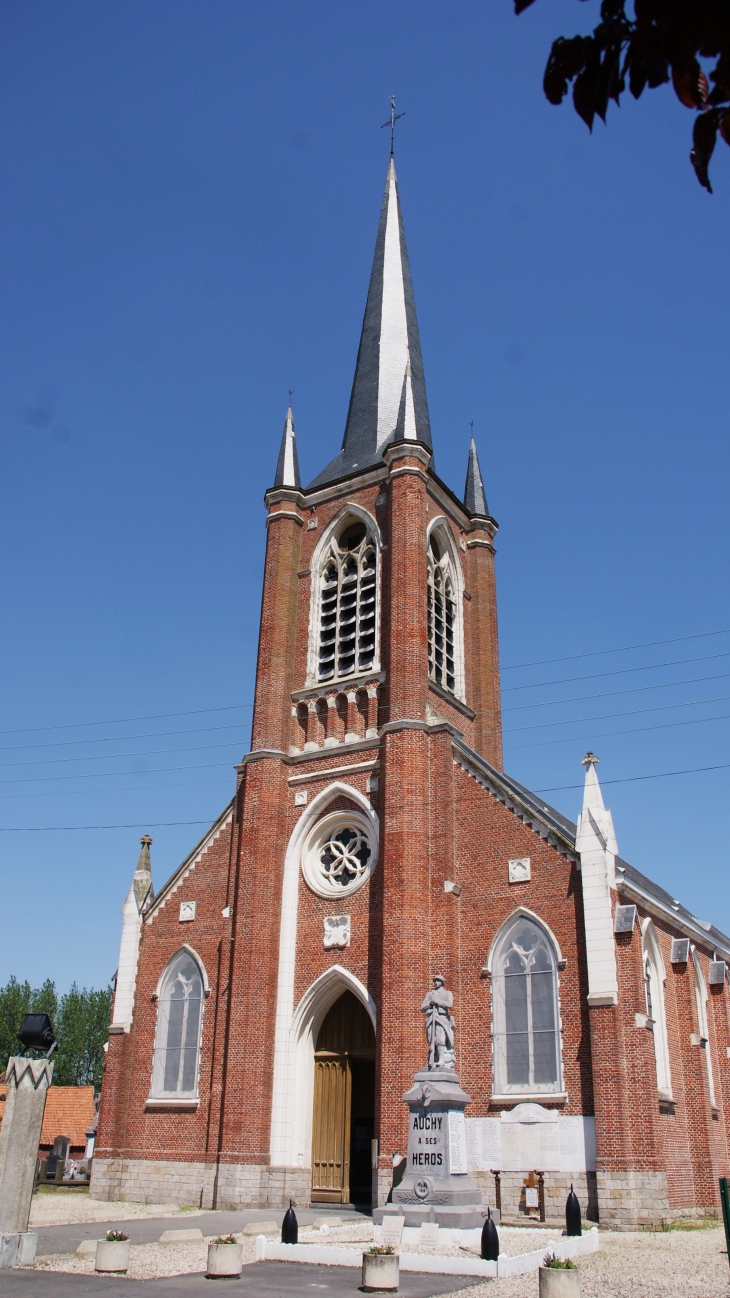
x,y
224,1261
112,1255
380,1272
556,1283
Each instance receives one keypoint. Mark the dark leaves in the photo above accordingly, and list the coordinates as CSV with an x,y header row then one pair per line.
x,y
665,40
703,140
566,61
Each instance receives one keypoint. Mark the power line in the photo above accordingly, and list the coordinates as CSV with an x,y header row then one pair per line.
x,y
166,824
609,734
118,739
112,793
619,671
233,707
609,694
110,757
631,779
595,653
118,721
103,775
606,716
55,829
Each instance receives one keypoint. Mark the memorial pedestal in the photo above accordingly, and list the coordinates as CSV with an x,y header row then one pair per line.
x,y
27,1085
436,1186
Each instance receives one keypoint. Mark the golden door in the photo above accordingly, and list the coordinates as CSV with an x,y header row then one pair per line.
x,y
331,1131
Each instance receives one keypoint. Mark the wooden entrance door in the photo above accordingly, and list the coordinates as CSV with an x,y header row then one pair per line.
x,y
331,1131
344,1054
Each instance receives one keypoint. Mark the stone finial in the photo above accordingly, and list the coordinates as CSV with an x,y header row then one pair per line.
x,y
142,881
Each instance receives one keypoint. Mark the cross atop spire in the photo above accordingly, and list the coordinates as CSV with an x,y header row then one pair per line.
x,y
389,358
287,468
394,117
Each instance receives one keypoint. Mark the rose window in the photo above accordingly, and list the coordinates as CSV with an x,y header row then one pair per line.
x,y
344,856
340,853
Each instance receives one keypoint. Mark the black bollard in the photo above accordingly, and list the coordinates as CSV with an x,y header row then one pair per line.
x,y
290,1225
572,1215
490,1239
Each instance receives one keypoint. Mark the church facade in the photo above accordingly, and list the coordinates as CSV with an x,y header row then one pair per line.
x,y
267,1017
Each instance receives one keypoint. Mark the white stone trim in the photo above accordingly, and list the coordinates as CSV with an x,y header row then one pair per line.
x,y
306,1022
128,960
652,952
703,1022
596,842
314,876
354,511
329,771
286,1138
441,526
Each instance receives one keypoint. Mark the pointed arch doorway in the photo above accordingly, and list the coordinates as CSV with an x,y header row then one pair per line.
x,y
344,1104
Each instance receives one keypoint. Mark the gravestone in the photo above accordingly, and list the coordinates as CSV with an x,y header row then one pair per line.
x,y
27,1082
436,1185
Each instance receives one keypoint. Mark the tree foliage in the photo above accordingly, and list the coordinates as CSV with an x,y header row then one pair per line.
x,y
664,41
80,1019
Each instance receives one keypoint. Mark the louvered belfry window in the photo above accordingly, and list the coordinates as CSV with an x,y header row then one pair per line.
x,y
348,605
441,617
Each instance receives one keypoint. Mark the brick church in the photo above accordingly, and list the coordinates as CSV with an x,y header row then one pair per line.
x,y
267,1018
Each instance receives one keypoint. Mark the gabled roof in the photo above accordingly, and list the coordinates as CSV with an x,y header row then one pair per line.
x,y
389,360
561,831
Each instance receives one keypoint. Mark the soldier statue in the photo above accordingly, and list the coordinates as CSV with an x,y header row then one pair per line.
x,y
440,1025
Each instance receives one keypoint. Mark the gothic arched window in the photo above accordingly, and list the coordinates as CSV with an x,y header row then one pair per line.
x,y
444,598
526,1027
654,990
701,998
348,604
179,1023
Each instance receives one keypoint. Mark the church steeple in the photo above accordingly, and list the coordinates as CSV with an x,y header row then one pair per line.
x,y
474,495
389,364
287,468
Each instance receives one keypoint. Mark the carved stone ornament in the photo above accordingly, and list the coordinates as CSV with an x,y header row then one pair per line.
x,y
336,931
519,870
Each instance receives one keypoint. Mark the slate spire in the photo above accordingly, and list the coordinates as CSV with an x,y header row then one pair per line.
x,y
475,497
389,369
287,468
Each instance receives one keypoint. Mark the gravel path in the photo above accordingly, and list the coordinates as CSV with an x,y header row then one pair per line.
x,y
63,1209
675,1264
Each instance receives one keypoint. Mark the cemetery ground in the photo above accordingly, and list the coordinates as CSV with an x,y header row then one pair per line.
x,y
678,1263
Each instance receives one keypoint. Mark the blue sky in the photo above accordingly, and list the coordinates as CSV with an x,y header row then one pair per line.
x,y
190,199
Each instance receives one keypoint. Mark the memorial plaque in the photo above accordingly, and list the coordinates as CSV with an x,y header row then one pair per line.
x,y
532,1197
483,1144
458,1162
429,1233
428,1141
392,1231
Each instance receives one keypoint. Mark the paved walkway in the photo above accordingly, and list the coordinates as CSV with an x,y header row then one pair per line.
x,y
147,1230
260,1280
